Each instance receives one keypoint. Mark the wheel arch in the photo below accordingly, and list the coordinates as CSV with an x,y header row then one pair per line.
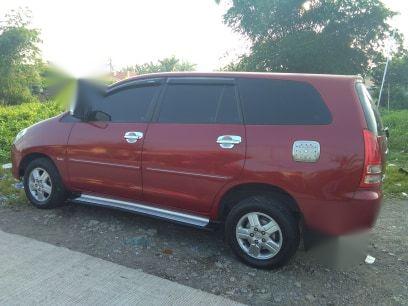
x,y
239,192
27,159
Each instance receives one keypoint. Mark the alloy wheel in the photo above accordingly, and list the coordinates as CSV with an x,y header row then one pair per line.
x,y
39,184
259,235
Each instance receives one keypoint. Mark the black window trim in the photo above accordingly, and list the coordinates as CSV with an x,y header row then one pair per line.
x,y
197,81
135,83
200,81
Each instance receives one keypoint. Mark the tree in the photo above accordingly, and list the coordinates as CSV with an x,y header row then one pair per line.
x,y
313,36
19,58
168,64
396,82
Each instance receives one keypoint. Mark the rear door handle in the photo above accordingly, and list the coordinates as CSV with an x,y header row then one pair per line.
x,y
132,137
228,141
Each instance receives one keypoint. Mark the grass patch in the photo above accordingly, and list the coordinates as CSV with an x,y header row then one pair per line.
x,y
396,182
9,194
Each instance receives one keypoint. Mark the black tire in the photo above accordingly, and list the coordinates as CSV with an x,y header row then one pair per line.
x,y
274,208
58,193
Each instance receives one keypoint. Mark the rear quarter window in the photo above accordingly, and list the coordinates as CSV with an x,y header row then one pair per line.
x,y
282,102
371,113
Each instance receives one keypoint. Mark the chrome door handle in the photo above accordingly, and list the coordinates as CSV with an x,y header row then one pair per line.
x,y
132,137
228,141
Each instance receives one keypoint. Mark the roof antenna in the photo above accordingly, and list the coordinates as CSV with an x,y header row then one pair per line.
x,y
386,66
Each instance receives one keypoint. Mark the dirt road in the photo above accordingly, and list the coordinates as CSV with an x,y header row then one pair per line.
x,y
200,259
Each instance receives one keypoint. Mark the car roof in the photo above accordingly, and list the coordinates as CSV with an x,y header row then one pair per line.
x,y
260,75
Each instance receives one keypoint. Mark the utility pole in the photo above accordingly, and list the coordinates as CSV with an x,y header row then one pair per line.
x,y
386,66
110,65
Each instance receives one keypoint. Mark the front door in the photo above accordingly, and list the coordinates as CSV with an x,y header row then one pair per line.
x,y
104,157
195,144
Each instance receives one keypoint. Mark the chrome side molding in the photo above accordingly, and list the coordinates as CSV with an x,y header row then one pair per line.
x,y
143,209
85,161
188,173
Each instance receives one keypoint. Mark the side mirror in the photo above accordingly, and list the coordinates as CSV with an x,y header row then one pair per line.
x,y
99,116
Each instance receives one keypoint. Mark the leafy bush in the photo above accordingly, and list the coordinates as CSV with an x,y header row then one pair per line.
x,y
397,122
13,93
396,180
15,118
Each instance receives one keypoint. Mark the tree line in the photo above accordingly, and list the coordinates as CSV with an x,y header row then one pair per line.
x,y
302,36
321,36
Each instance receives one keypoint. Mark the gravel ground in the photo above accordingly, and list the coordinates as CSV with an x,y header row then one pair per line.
x,y
200,259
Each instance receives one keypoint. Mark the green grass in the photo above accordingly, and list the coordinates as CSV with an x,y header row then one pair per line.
x,y
8,193
396,182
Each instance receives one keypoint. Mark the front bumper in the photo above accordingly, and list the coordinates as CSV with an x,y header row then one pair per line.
x,y
355,212
16,157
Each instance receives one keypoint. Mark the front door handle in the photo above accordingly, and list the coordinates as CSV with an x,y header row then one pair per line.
x,y
228,141
132,137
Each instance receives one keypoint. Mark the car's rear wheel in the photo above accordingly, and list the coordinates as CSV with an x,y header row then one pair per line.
x,y
43,185
262,232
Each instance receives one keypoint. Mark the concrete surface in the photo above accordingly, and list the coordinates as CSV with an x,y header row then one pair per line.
x,y
202,260
38,273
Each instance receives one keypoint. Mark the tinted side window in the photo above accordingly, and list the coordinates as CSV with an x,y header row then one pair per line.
x,y
129,105
196,103
267,101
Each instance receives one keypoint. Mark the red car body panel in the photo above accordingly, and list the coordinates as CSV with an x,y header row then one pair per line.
x,y
48,137
184,166
181,166
100,161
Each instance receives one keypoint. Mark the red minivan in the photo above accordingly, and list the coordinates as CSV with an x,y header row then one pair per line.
x,y
264,154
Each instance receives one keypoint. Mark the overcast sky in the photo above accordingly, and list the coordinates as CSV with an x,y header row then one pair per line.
x,y
80,36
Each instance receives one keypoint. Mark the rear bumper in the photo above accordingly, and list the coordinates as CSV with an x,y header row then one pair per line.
x,y
355,212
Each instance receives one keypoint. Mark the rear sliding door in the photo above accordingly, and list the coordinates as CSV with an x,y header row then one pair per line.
x,y
195,144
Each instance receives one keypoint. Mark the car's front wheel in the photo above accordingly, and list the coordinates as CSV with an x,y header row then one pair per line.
x,y
262,232
43,185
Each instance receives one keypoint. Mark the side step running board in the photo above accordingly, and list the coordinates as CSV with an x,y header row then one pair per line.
x,y
144,209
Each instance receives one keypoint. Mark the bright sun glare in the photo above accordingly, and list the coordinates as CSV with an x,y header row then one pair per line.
x,y
81,36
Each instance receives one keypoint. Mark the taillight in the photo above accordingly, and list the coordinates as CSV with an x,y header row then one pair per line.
x,y
372,173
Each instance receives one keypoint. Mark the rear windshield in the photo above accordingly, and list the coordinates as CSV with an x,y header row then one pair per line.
x,y
371,113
